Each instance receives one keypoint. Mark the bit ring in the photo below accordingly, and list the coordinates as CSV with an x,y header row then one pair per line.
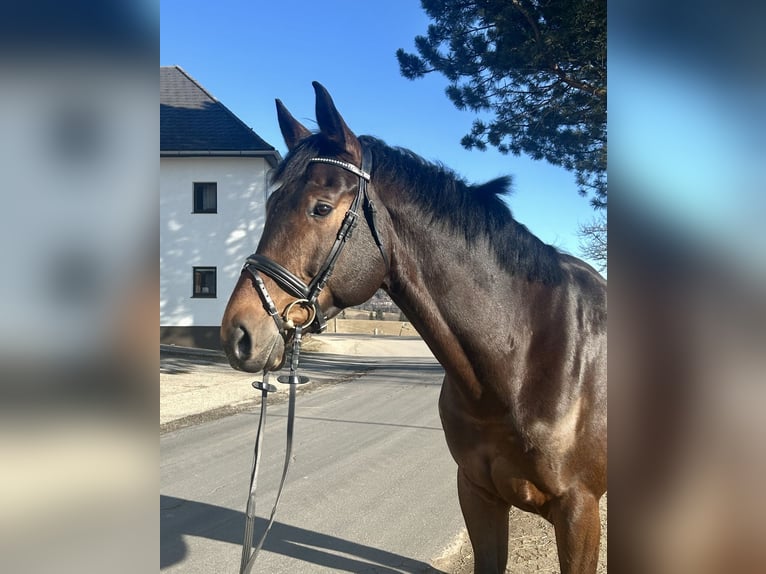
x,y
303,304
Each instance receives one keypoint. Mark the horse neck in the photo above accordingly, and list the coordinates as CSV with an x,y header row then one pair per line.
x,y
452,290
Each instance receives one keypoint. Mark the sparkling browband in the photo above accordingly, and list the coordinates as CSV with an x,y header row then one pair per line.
x,y
345,165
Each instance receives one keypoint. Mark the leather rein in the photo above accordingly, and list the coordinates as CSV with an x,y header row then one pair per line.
x,y
307,298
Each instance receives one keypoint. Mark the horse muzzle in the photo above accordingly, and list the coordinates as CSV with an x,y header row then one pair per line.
x,y
253,348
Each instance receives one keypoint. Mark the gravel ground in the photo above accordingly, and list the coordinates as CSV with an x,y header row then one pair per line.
x,y
532,547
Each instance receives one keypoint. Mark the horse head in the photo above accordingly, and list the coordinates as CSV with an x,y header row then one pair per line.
x,y
318,184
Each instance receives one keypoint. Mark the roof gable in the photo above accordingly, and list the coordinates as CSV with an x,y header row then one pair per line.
x,y
191,119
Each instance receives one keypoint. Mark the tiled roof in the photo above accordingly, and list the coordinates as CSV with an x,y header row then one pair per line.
x,y
193,120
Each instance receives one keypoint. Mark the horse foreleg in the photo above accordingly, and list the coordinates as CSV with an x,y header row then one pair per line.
x,y
575,518
486,518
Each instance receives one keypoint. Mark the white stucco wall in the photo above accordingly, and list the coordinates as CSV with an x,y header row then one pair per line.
x,y
222,240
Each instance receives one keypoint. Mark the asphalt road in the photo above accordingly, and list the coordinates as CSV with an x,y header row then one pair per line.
x,y
371,487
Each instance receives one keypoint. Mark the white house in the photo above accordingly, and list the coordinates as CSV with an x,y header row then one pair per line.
x,y
213,185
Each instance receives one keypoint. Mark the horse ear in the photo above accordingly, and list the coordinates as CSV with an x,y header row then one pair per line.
x,y
332,125
292,130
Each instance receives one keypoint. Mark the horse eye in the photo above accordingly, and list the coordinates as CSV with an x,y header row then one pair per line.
x,y
322,209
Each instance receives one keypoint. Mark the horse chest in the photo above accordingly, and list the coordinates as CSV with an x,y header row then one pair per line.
x,y
473,437
516,465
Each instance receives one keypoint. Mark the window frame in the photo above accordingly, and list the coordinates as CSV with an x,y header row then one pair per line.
x,y
199,294
198,206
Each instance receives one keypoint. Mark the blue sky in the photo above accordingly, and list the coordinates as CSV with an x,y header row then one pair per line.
x,y
247,53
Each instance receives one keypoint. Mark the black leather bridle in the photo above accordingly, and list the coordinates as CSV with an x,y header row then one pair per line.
x,y
308,295
307,298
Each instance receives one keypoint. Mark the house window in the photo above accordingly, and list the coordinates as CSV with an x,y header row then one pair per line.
x,y
204,282
205,197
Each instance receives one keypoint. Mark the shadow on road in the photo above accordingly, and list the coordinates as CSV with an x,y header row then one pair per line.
x,y
180,517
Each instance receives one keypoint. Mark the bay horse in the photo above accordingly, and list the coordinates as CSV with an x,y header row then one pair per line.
x,y
519,328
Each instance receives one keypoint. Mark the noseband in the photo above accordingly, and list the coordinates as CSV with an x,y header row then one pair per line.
x,y
308,295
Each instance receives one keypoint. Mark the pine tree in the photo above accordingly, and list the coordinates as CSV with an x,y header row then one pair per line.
x,y
536,72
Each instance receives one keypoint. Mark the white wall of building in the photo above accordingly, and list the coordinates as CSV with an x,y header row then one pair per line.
x,y
222,240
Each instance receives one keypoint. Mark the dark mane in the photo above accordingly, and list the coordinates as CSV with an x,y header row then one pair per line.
x,y
473,212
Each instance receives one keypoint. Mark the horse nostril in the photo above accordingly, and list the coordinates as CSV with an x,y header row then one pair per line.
x,y
244,345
